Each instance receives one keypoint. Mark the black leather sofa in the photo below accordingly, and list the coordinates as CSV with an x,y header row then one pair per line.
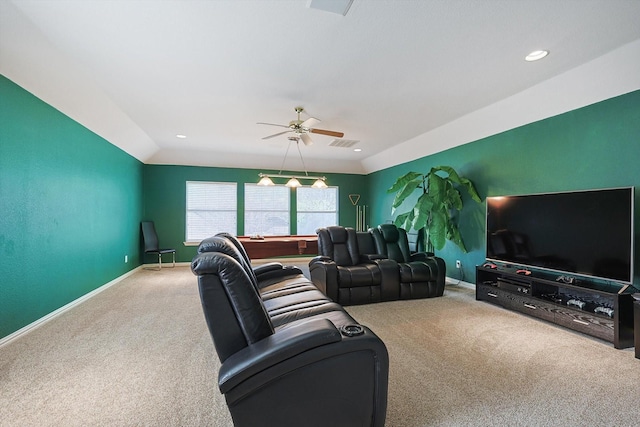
x,y
290,356
374,266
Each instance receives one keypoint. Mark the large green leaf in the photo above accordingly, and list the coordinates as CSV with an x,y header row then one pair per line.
x,y
465,182
404,192
454,235
403,180
437,228
421,211
453,198
437,190
404,220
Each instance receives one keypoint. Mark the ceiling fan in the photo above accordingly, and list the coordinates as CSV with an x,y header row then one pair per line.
x,y
302,129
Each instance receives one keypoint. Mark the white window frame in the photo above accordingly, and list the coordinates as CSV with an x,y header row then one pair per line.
x,y
335,211
249,209
218,192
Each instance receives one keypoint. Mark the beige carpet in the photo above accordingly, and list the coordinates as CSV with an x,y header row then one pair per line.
x,y
139,354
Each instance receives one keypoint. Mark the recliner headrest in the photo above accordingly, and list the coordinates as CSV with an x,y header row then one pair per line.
x,y
389,232
339,243
338,234
223,244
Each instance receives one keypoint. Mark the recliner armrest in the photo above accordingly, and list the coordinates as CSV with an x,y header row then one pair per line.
x,y
278,274
321,259
420,256
274,349
367,258
270,266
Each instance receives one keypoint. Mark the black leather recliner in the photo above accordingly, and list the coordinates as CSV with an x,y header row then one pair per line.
x,y
289,355
422,275
349,276
353,268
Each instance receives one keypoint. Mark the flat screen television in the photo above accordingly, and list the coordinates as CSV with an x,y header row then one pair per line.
x,y
579,233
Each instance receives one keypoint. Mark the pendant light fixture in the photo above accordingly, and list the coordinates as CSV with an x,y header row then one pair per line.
x,y
294,180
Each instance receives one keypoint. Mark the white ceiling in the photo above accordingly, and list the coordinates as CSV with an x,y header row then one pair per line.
x,y
398,76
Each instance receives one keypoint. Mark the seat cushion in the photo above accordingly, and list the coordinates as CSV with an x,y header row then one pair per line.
x,y
416,271
359,275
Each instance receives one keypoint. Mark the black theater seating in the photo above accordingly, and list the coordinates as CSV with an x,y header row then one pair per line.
x,y
367,267
290,356
422,275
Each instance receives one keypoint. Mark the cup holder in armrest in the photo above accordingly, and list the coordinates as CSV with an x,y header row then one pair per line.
x,y
352,330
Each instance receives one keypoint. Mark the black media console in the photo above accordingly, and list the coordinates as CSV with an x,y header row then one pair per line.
x,y
604,311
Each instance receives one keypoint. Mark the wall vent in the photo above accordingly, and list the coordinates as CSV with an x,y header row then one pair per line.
x,y
343,143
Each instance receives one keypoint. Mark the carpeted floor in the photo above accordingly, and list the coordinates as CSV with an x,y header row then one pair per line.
x,y
139,354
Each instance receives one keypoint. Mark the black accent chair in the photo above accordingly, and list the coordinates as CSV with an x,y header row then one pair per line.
x,y
151,244
289,355
349,274
422,275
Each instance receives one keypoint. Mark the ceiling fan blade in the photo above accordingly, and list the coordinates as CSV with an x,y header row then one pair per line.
x,y
310,122
272,124
327,132
306,139
276,134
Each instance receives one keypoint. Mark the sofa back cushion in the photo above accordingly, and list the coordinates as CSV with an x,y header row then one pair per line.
x,y
366,245
340,244
232,307
392,242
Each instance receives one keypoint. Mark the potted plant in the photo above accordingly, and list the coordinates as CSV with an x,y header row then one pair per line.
x,y
434,208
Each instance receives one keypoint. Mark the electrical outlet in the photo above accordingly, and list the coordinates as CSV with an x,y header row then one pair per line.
x,y
458,264
126,259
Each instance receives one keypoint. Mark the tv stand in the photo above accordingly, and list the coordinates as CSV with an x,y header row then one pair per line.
x,y
604,311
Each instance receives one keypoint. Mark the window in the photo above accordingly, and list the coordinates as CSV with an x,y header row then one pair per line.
x,y
266,210
317,207
211,209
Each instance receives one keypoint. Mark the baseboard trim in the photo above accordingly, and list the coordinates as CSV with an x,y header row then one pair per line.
x,y
165,265
457,282
41,321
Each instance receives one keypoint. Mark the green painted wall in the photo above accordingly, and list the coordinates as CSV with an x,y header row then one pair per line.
x,y
164,192
70,207
597,146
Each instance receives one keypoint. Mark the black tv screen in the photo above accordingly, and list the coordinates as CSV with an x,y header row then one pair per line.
x,y
585,233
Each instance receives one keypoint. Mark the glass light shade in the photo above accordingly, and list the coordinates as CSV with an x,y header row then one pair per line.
x,y
319,184
265,180
293,183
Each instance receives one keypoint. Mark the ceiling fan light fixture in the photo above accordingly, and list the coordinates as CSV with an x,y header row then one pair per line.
x,y
293,183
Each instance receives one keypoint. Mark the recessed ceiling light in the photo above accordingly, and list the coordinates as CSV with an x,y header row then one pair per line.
x,y
181,136
357,150
536,54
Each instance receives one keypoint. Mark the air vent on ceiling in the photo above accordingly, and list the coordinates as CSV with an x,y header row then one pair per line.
x,y
343,143
341,7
